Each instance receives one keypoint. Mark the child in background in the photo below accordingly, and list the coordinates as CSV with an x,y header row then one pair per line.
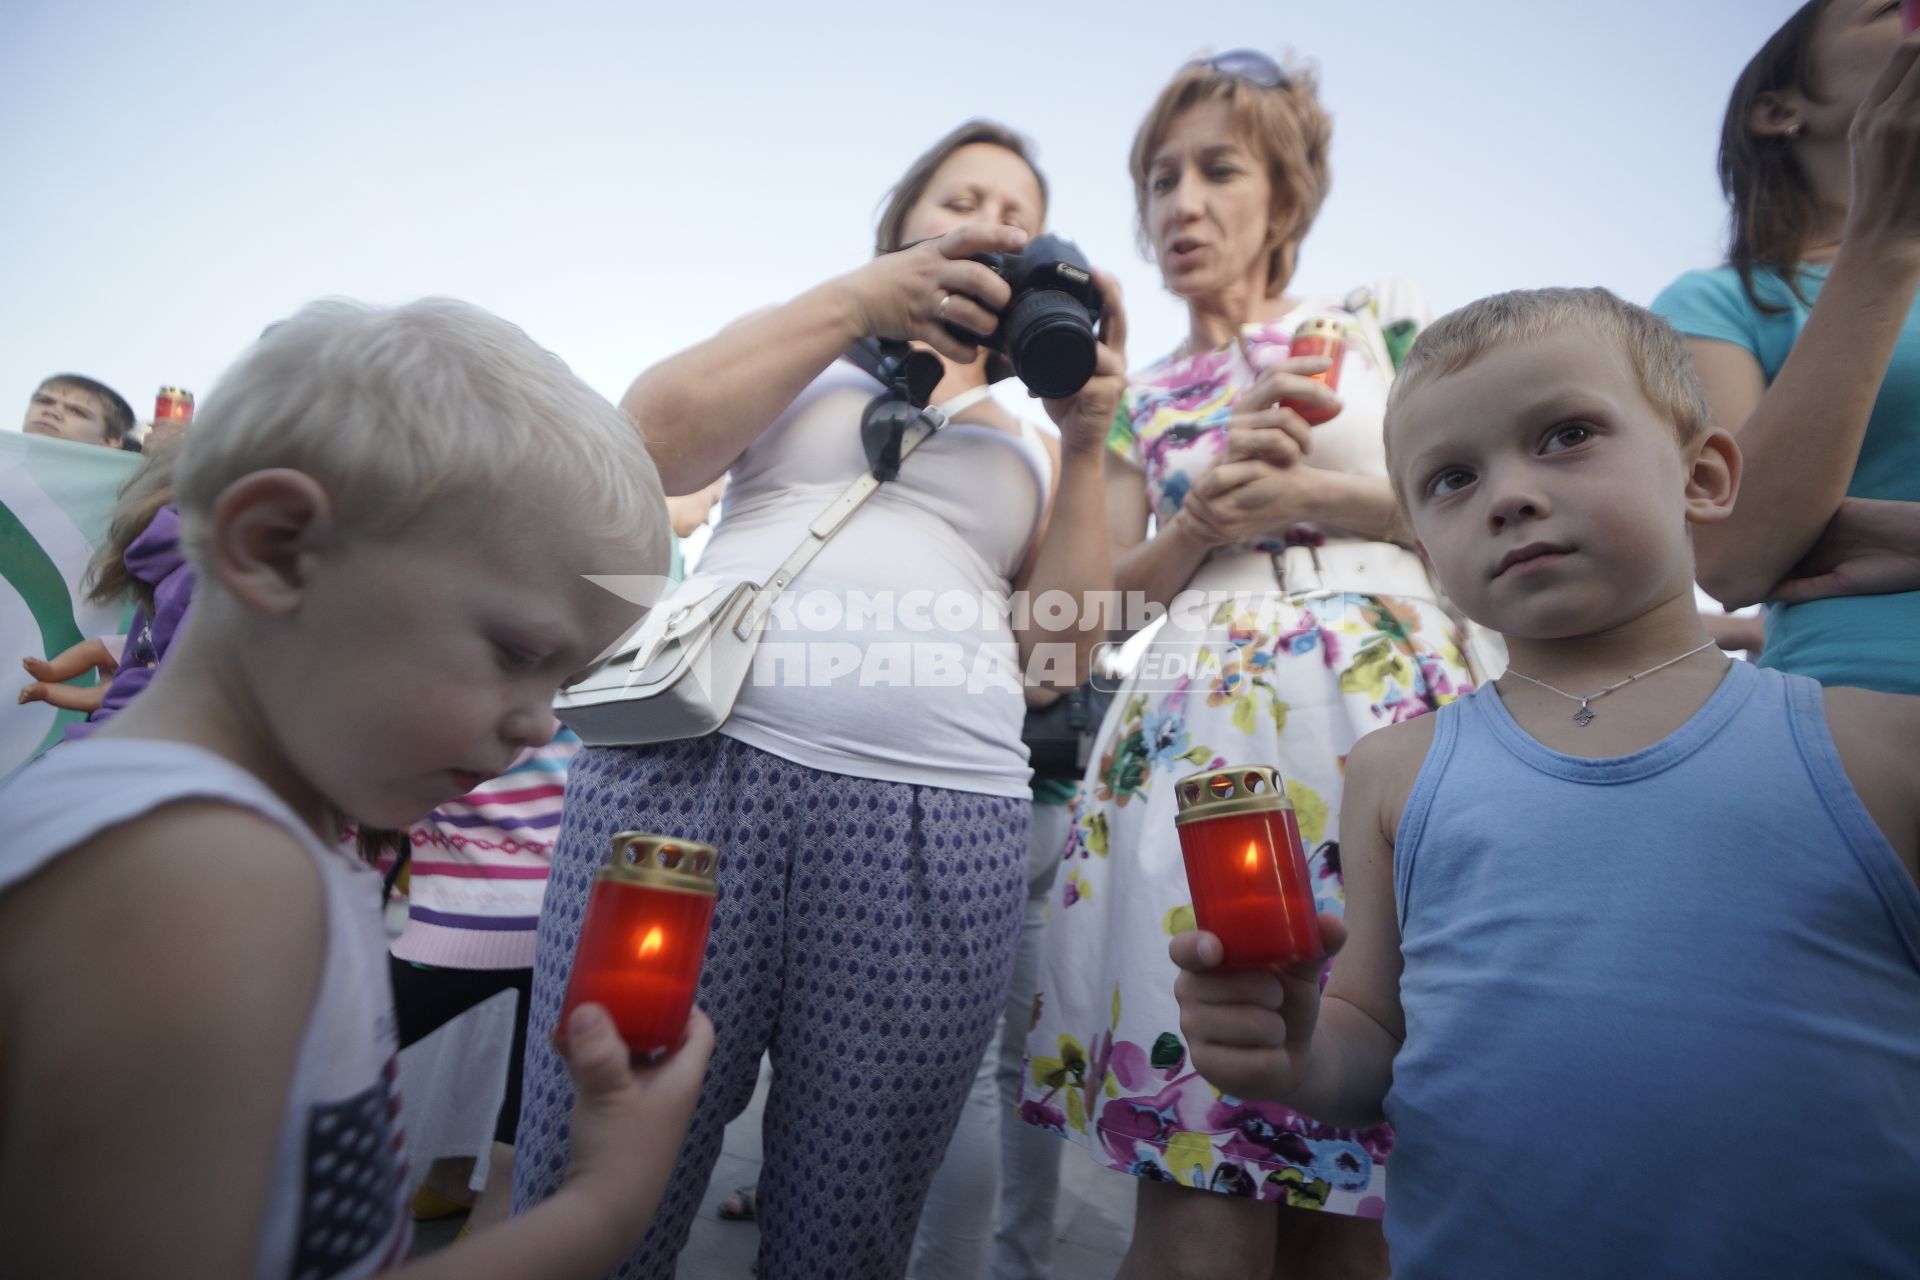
x,y
478,873
1632,942
391,512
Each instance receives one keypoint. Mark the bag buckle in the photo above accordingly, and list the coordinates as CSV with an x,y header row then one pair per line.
x,y
751,613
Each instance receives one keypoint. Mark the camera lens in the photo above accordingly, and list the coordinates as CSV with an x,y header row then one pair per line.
x,y
1049,337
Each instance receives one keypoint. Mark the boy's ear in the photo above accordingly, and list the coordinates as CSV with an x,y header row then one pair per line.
x,y
263,532
1713,479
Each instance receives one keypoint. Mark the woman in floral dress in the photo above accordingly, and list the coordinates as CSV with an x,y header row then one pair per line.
x,y
1294,626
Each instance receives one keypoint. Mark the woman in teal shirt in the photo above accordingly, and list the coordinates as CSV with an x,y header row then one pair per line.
x,y
1809,346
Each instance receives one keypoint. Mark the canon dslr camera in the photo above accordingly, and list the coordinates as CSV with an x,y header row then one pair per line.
x,y
1048,329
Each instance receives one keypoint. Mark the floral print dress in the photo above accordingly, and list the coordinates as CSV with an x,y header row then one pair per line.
x,y
1252,676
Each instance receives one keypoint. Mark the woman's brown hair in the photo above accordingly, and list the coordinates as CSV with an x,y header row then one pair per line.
x,y
145,492
913,184
1286,126
1772,198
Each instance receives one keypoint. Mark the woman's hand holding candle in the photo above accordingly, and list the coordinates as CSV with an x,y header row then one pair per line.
x,y
1262,428
1248,1031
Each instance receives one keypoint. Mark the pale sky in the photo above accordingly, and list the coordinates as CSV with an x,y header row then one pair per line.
x,y
620,179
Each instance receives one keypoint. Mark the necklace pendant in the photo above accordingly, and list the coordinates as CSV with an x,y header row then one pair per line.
x,y
1584,716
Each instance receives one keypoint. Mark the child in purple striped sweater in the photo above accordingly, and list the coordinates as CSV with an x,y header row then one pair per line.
x,y
477,869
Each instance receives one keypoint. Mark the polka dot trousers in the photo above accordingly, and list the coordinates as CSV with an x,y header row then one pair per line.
x,y
863,937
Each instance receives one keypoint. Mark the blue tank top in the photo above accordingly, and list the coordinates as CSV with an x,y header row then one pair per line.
x,y
1663,1009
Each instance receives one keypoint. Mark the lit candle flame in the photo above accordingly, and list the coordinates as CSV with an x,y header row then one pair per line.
x,y
1253,855
651,944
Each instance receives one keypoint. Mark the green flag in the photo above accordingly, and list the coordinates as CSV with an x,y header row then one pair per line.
x,y
55,501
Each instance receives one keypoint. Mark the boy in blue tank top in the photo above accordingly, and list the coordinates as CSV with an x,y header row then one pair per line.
x,y
1631,957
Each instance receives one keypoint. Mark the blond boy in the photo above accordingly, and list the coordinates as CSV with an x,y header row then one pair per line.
x,y
390,512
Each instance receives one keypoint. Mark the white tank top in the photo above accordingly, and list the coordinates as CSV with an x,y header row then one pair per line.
x,y
891,656
334,1203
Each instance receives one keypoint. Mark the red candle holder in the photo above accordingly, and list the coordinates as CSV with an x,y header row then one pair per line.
x,y
173,404
1320,336
644,937
1246,867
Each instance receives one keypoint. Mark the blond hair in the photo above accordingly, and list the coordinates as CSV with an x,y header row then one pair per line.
x,y
395,410
1284,126
1658,356
150,488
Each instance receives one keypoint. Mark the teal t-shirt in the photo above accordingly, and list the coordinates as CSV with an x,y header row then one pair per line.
x,y
1868,641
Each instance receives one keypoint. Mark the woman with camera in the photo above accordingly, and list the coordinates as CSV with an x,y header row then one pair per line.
x,y
1297,624
869,792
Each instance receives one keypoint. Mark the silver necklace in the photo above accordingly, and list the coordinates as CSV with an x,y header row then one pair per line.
x,y
1584,716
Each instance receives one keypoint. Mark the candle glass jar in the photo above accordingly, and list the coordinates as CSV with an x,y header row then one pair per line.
x,y
1320,336
173,404
644,937
1246,867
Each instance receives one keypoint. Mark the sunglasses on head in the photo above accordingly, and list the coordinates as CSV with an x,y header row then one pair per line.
x,y
1251,65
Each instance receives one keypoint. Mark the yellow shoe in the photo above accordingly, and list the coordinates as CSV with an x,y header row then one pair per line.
x,y
429,1204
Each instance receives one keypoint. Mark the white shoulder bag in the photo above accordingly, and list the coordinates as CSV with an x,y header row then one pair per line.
x,y
680,672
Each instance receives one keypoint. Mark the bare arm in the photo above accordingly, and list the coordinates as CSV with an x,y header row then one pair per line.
x,y
1870,547
1799,438
699,410
1264,483
1155,568
688,511
1264,1033
1253,498
1362,1025
155,986
1735,632
1074,556
1875,734
625,1135
1801,435
1363,504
